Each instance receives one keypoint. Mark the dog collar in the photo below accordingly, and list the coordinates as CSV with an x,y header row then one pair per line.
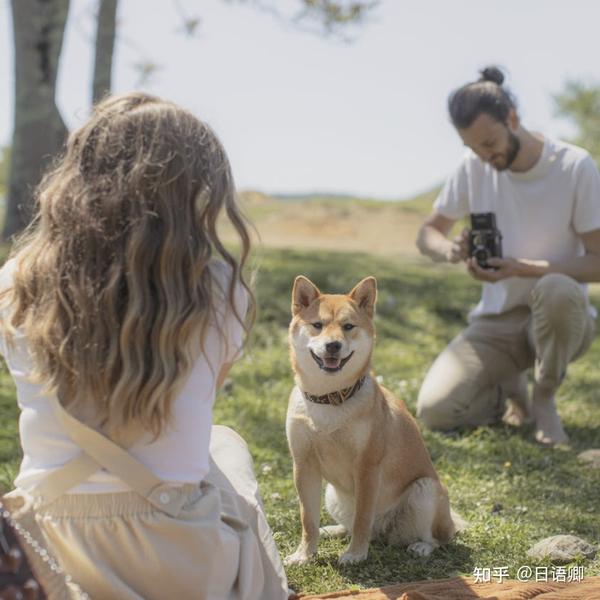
x,y
337,398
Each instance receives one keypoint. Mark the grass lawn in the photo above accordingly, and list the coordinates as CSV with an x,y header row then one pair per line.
x,y
511,491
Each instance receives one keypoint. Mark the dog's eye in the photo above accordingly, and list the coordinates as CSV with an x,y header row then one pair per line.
x,y
348,326
318,325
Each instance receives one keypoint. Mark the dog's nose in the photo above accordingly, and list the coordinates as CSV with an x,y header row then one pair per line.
x,y
333,347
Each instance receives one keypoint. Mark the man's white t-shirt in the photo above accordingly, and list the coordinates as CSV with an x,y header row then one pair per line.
x,y
540,212
179,455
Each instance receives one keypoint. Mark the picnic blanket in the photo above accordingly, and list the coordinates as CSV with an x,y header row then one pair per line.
x,y
464,588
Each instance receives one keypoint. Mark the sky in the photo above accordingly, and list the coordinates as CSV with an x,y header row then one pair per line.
x,y
300,112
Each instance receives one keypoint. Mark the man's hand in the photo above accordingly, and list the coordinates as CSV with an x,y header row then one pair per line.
x,y
506,267
459,250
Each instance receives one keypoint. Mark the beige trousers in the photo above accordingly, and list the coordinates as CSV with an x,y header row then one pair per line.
x,y
207,541
464,384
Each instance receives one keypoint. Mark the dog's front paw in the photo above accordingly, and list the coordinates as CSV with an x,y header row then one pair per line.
x,y
421,548
351,557
300,557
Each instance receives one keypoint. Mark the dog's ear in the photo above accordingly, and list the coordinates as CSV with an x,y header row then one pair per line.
x,y
365,294
303,294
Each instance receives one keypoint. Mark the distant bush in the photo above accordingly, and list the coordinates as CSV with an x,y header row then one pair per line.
x,y
580,103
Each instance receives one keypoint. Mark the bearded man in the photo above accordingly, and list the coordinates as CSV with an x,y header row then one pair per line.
x,y
534,308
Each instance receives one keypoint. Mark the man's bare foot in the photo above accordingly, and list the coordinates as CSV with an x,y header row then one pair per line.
x,y
514,415
548,426
518,409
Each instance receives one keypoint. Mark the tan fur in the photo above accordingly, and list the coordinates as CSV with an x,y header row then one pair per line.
x,y
381,481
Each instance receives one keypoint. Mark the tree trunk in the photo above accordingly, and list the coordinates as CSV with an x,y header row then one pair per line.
x,y
105,43
39,131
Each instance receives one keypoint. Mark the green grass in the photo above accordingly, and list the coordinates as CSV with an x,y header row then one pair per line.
x,y
511,491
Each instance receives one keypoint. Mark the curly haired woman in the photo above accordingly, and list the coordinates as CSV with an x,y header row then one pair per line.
x,y
122,312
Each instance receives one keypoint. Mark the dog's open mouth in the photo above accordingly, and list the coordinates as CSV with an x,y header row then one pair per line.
x,y
331,364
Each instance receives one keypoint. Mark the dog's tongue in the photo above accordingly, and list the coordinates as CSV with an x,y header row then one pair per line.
x,y
332,363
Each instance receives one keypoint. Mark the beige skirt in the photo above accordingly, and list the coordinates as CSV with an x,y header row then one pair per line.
x,y
217,547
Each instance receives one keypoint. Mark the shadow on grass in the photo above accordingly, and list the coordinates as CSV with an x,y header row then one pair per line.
x,y
513,477
583,437
402,288
388,565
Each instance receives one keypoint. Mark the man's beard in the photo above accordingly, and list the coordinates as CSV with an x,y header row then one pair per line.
x,y
514,145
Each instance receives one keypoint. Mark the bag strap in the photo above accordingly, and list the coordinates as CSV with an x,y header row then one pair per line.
x,y
99,451
61,480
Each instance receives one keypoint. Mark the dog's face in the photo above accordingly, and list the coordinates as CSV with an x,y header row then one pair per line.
x,y
332,335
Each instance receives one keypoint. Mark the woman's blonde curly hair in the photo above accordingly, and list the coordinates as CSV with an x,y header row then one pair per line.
x,y
113,286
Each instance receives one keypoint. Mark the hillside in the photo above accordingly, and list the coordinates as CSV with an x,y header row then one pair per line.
x,y
386,228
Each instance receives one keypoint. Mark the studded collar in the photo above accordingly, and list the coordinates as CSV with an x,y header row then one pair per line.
x,y
338,397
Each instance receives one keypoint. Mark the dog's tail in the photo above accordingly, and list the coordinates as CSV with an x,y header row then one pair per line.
x,y
447,521
333,531
460,524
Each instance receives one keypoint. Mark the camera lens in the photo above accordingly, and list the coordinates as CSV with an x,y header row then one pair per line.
x,y
481,254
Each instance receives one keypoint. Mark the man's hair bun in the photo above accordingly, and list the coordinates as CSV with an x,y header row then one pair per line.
x,y
492,74
469,101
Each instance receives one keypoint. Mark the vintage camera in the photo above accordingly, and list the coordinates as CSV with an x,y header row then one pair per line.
x,y
485,240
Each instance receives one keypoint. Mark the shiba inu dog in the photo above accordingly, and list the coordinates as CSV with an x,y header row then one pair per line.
x,y
344,427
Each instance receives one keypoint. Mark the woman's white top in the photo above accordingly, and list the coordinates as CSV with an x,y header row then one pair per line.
x,y
179,455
